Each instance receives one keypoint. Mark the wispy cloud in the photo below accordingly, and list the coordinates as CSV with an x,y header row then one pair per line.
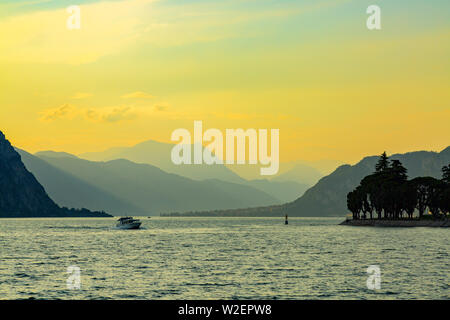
x,y
137,94
161,111
110,27
113,114
255,116
101,114
42,36
161,107
65,111
81,95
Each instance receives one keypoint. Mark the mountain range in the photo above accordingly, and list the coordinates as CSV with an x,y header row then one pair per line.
x,y
124,181
294,181
329,196
121,186
21,195
158,154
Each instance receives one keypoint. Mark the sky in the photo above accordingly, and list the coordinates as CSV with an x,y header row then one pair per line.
x,y
139,69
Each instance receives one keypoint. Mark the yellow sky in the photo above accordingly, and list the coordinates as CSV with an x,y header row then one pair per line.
x,y
139,69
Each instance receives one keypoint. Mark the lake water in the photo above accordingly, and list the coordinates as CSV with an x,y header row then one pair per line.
x,y
220,258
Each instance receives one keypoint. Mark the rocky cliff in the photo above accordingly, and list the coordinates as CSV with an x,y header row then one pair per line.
x,y
21,195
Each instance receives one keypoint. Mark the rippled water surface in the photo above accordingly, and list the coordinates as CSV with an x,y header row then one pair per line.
x,y
220,258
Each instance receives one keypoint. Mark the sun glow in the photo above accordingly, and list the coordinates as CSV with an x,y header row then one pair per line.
x,y
137,70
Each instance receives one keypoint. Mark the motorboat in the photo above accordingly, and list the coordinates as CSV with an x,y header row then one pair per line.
x,y
128,223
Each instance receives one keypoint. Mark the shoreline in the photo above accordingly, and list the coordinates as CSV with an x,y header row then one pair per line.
x,y
397,223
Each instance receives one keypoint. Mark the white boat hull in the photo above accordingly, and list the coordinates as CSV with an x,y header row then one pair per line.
x,y
133,225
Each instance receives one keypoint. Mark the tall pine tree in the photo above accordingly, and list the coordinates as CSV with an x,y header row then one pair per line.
x,y
383,163
446,173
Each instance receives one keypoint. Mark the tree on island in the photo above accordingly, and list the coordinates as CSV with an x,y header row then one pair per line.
x,y
446,174
383,163
389,194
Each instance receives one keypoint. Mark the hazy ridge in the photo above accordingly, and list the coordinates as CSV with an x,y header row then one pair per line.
x,y
21,195
328,197
143,189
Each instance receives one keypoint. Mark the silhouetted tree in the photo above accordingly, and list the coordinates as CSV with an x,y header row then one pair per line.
x,y
372,192
409,198
436,194
388,192
446,173
444,199
398,171
354,204
383,163
424,188
444,203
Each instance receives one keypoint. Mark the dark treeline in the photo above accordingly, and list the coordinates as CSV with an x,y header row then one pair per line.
x,y
388,194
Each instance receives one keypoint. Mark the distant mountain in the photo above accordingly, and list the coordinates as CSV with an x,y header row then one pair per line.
x,y
69,191
301,173
324,166
297,171
153,190
285,191
21,195
158,154
54,154
329,196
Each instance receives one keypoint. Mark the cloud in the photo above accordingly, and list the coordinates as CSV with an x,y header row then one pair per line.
x,y
255,116
111,27
160,107
158,111
137,94
81,95
114,114
64,111
42,36
96,114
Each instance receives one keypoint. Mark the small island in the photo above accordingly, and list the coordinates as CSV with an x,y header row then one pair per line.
x,y
386,198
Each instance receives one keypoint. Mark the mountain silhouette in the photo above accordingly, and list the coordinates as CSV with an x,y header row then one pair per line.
x,y
55,154
150,189
157,154
299,172
70,191
21,195
329,196
283,190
